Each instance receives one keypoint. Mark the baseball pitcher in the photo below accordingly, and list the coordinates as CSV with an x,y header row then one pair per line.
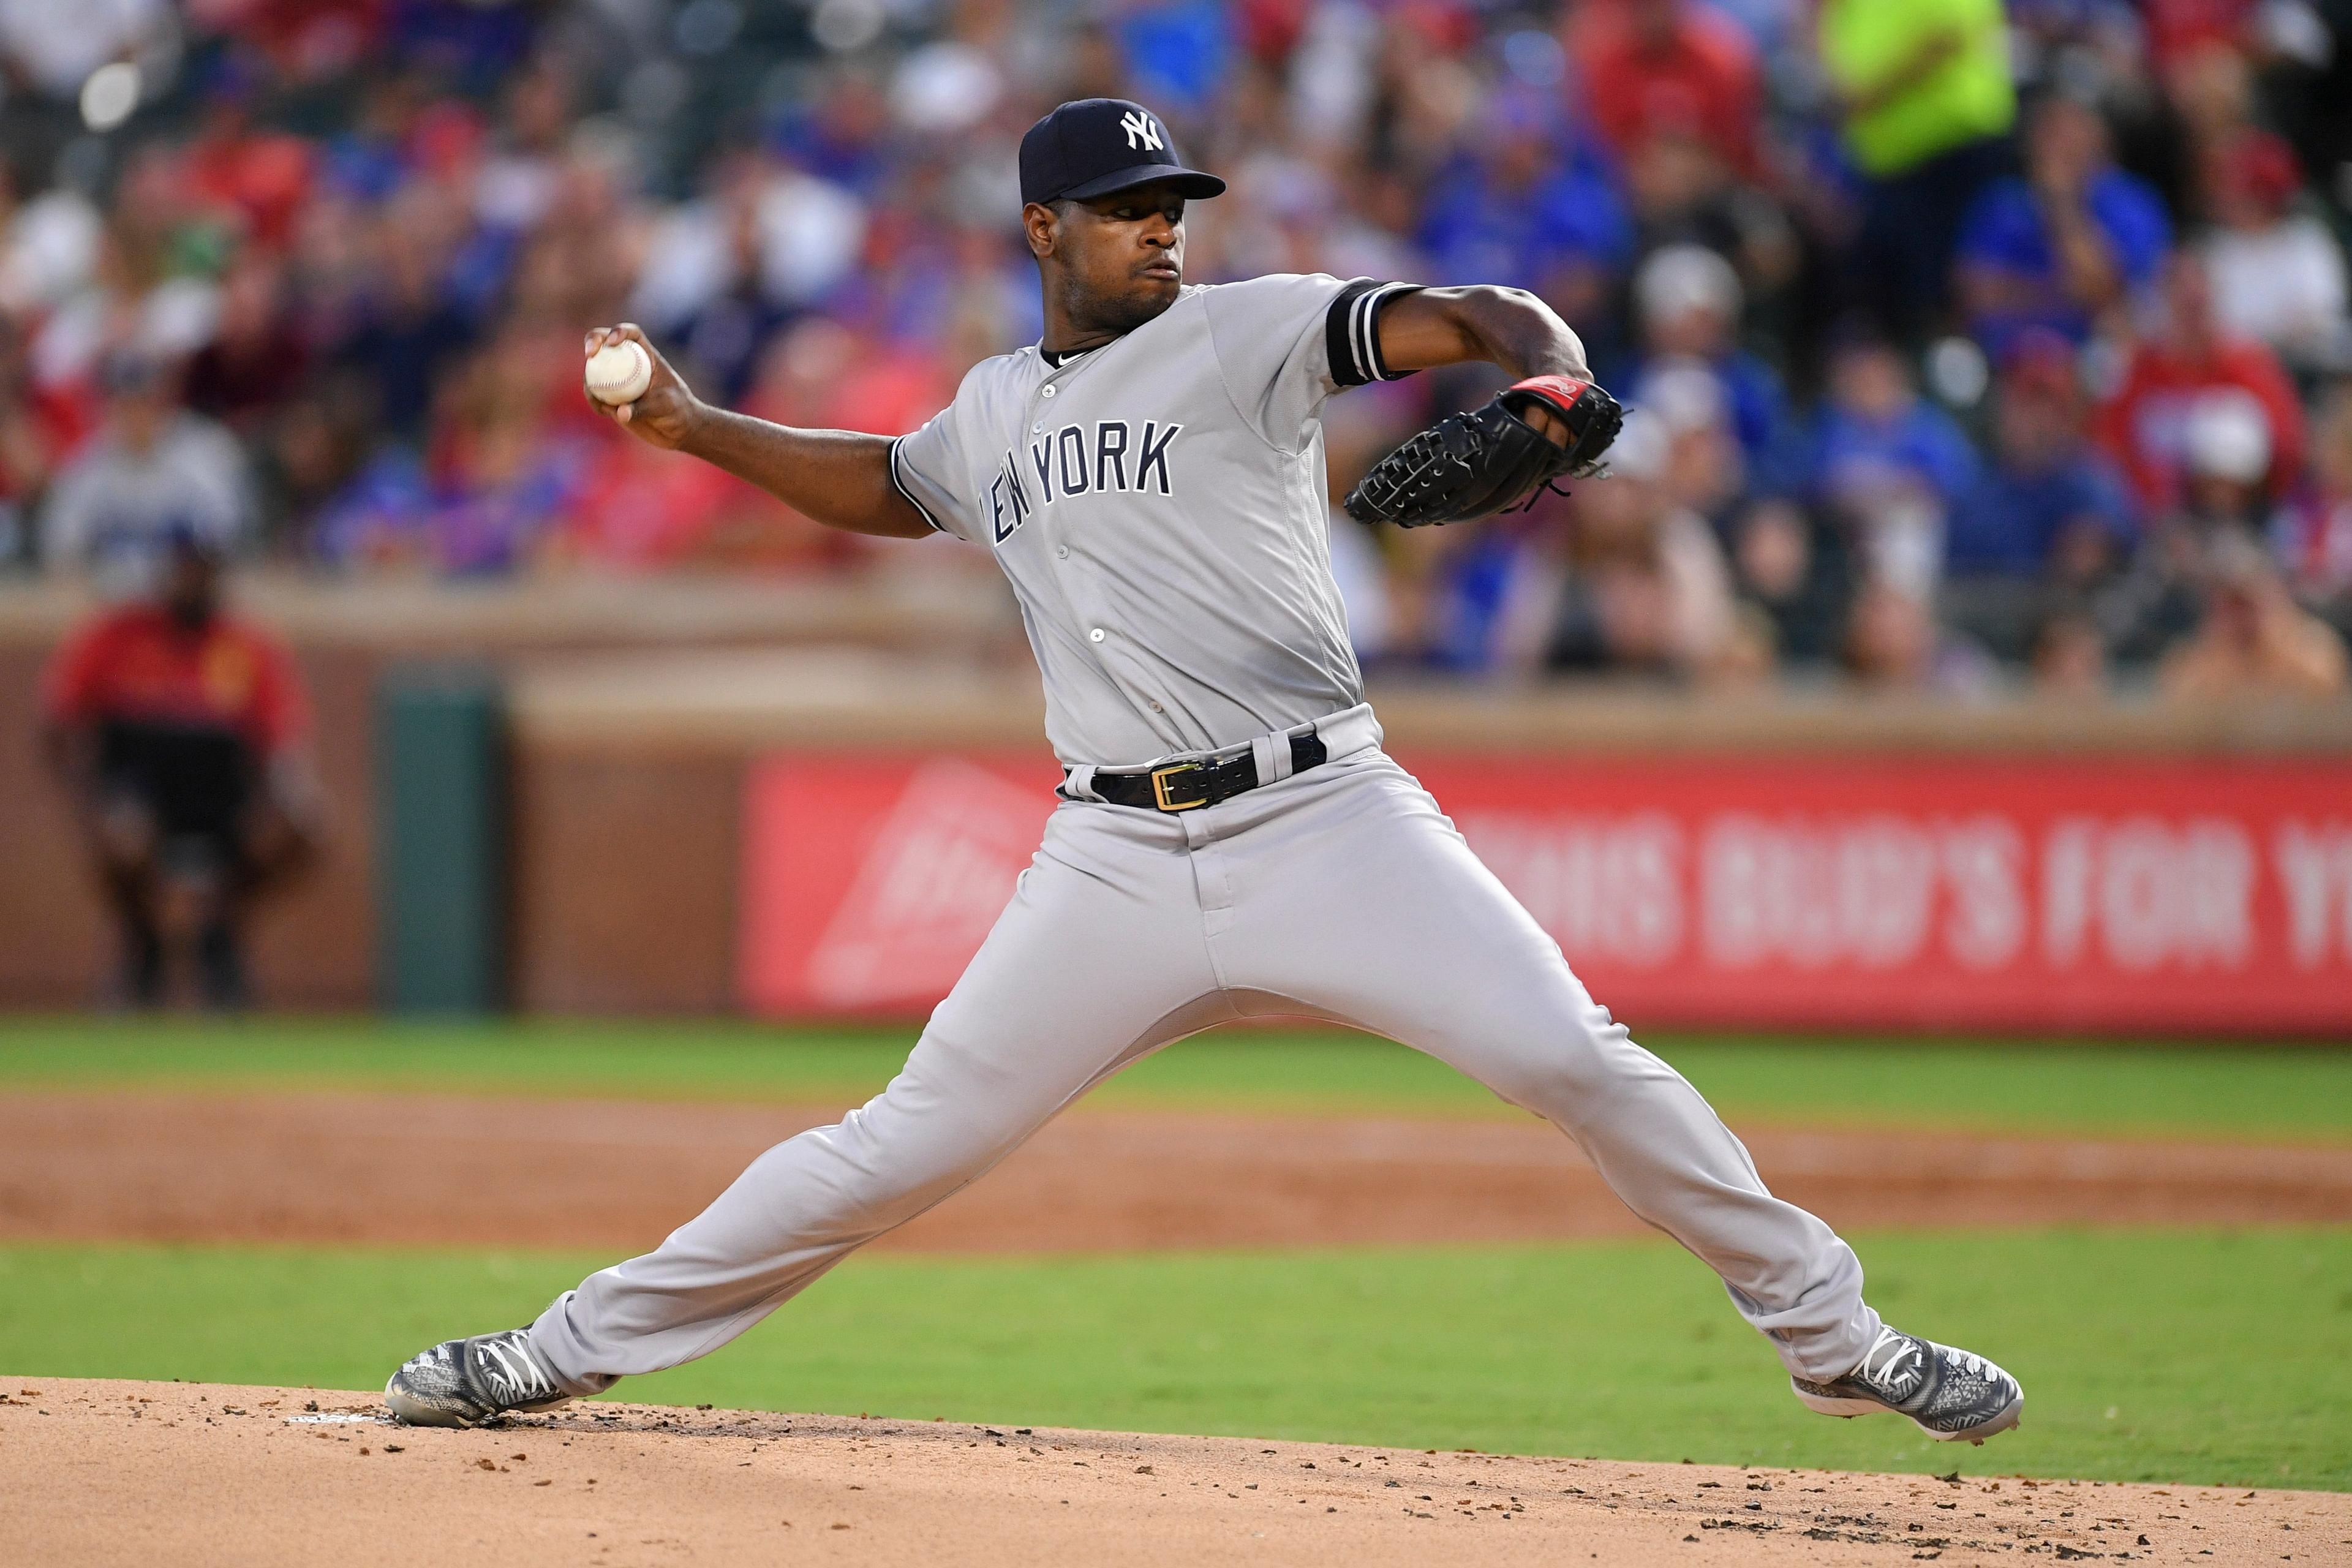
x,y
1232,841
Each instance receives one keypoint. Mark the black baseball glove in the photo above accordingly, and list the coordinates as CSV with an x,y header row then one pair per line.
x,y
1489,459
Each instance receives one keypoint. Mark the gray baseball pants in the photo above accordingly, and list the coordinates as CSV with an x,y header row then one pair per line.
x,y
1343,893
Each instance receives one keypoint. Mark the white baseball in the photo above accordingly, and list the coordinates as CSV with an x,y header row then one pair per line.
x,y
620,372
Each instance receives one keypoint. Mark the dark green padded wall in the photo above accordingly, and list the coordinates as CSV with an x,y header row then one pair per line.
x,y
441,840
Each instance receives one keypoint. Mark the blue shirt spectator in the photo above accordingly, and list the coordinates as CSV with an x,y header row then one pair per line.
x,y
1753,398
1519,215
2052,249
1689,299
1177,52
2049,502
1876,437
1852,453
471,45
2011,525
1470,596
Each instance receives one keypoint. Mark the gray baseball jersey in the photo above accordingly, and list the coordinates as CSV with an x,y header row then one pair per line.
x,y
1159,507
1158,504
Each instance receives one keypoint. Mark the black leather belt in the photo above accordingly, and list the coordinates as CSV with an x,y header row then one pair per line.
x,y
1187,786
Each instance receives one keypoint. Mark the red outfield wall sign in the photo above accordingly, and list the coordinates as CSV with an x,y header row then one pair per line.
x,y
2101,894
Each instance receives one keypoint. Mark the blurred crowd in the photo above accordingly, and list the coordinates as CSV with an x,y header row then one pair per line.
x,y
1967,347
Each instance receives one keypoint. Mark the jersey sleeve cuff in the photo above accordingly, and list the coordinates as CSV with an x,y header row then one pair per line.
x,y
1351,331
899,483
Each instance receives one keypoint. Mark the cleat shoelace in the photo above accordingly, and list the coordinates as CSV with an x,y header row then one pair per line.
x,y
510,1372
1894,1366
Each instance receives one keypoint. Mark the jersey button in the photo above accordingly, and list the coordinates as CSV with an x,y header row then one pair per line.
x,y
1049,391
1034,429
1061,552
1157,708
1096,635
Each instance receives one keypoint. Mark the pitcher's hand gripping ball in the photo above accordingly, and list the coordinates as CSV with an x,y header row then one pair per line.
x,y
619,372
1489,459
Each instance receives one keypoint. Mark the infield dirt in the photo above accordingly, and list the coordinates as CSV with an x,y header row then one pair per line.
x,y
104,1473
416,1168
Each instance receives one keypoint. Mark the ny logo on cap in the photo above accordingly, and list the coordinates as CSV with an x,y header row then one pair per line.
x,y
1140,132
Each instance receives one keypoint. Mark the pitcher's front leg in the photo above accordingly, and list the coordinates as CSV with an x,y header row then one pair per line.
x,y
1397,926
1370,906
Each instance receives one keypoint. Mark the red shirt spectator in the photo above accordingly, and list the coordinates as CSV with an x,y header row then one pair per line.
x,y
1652,65
262,177
143,664
311,40
2145,423
175,729
2179,29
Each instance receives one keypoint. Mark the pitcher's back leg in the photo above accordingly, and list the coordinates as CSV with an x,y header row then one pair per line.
x,y
1097,959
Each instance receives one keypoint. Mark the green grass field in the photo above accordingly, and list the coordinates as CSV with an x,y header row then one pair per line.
x,y
2191,1356
2194,1355
2301,1094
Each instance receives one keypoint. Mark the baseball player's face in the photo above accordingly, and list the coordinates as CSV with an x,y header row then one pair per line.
x,y
1121,256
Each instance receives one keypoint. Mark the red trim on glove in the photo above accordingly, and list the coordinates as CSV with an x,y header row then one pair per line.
x,y
1560,391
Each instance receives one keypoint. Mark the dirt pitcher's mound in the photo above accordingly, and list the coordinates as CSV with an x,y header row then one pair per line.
x,y
104,1473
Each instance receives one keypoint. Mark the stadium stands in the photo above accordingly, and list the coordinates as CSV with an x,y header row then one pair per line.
x,y
1924,302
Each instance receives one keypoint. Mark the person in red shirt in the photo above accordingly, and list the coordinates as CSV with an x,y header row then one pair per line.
x,y
1668,65
179,732
2145,423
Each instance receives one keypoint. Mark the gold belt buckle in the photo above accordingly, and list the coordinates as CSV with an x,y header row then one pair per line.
x,y
1160,777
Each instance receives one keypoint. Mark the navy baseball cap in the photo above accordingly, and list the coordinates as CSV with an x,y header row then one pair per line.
x,y
1097,145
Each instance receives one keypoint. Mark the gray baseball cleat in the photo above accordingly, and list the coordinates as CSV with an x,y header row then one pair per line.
x,y
1947,1393
464,1383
